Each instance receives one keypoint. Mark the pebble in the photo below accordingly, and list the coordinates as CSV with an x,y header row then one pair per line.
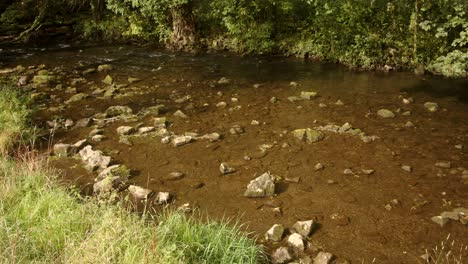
x,y
407,168
319,166
408,100
255,123
339,102
224,168
139,192
173,176
348,172
221,104
181,140
409,124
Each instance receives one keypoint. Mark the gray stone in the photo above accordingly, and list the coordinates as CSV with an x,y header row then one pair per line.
x,y
262,186
183,99
345,127
308,135
163,198
304,228
385,113
323,258
221,104
431,106
125,130
368,172
94,159
80,144
139,192
348,172
224,168
180,114
296,242
275,233
281,256
442,221
181,140
64,150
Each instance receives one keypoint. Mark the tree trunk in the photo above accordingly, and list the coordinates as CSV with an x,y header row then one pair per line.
x,y
183,35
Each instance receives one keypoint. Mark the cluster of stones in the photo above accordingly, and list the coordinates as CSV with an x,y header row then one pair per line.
x,y
347,128
297,244
457,214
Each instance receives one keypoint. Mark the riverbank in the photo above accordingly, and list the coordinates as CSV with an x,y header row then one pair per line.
x,y
421,37
43,220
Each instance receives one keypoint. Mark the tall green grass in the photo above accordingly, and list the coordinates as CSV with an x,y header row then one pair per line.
x,y
41,221
14,115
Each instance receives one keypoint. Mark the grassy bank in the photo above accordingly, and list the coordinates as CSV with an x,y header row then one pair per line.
x,y
43,221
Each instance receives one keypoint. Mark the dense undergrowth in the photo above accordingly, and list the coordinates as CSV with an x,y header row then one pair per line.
x,y
44,221
420,35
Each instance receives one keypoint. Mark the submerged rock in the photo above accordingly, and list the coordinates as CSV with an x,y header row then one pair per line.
x,y
385,113
261,186
120,171
431,106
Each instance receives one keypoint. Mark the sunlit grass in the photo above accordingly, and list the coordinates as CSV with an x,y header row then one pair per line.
x,y
41,221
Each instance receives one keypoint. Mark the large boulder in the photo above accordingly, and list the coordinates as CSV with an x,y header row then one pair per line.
x,y
261,186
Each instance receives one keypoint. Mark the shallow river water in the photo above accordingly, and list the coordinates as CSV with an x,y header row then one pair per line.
x,y
383,214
